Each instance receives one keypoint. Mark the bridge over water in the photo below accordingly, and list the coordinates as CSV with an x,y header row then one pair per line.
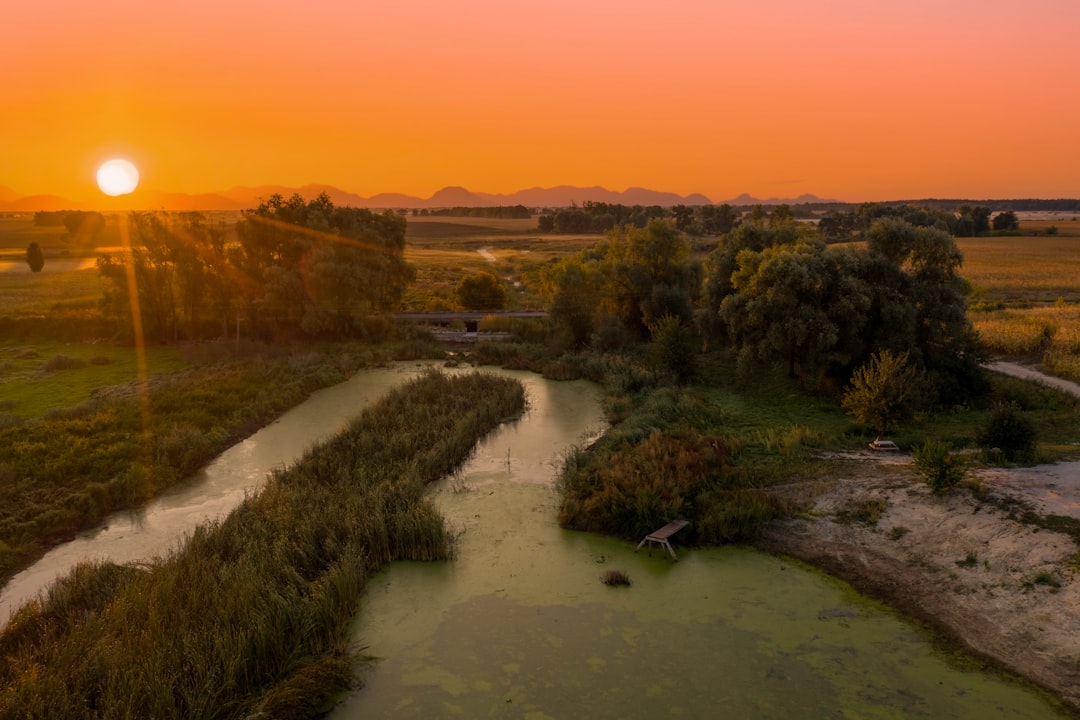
x,y
471,318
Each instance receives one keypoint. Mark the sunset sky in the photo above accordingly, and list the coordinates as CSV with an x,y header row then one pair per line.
x,y
849,99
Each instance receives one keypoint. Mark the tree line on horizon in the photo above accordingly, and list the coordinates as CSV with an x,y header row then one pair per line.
x,y
711,220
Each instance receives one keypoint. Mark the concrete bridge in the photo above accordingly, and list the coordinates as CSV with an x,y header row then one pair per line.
x,y
471,318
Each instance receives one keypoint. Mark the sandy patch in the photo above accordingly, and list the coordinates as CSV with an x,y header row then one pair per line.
x,y
965,563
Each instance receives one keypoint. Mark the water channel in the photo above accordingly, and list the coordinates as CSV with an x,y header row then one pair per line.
x,y
520,626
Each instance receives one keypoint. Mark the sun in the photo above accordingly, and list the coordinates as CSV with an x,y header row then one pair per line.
x,y
117,177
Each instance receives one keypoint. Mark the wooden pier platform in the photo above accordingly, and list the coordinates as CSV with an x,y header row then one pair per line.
x,y
660,537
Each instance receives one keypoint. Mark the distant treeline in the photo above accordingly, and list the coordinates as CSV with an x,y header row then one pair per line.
x,y
501,211
837,221
77,222
598,217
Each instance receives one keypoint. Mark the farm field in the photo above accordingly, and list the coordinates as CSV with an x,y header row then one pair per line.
x,y
445,249
1026,293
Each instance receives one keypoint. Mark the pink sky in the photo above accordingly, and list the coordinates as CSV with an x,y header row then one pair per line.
x,y
852,99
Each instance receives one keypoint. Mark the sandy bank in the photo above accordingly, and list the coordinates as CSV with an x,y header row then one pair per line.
x,y
1003,589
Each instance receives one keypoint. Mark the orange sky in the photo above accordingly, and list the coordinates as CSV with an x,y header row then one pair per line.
x,y
852,99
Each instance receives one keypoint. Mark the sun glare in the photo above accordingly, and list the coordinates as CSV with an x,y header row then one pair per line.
x,y
117,177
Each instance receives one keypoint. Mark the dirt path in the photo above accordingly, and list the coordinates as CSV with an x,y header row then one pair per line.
x,y
1029,373
991,568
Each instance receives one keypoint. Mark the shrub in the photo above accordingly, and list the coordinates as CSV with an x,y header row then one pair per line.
x,y
883,391
63,362
480,291
939,467
34,257
1009,431
674,349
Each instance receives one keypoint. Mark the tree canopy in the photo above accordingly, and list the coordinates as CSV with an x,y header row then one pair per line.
x,y
779,293
481,291
295,268
636,275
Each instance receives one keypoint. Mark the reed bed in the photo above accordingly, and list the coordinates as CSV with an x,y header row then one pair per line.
x,y
249,617
70,468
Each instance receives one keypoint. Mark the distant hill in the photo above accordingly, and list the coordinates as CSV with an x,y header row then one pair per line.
x,y
803,199
7,194
238,198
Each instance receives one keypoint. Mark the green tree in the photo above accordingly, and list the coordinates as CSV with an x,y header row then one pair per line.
x,y
318,268
717,219
674,349
801,304
883,391
722,262
573,287
649,274
637,275
480,291
34,257
920,306
1006,221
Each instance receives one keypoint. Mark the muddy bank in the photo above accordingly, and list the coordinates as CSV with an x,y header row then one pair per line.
x,y
972,565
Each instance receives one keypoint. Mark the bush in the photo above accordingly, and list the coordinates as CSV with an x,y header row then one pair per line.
x,y
1010,431
883,391
63,362
34,257
939,467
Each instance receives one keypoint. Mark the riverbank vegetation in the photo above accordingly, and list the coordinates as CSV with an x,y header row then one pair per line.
x,y
66,468
249,619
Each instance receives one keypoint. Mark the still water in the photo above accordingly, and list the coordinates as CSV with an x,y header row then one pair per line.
x,y
520,626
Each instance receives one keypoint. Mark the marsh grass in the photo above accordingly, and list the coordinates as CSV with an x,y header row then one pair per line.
x,y
73,465
616,578
249,618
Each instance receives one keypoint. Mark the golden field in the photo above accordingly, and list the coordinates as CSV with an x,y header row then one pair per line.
x,y
1026,292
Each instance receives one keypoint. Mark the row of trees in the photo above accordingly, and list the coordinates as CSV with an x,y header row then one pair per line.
x,y
966,221
293,268
714,220
600,217
519,212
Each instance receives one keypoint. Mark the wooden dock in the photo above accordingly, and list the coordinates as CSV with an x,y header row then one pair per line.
x,y
660,537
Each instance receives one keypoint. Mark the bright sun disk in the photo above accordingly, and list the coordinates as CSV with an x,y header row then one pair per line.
x,y
117,177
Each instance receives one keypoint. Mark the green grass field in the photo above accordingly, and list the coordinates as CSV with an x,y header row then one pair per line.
x,y
33,380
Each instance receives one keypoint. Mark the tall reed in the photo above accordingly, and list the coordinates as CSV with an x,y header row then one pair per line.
x,y
249,617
